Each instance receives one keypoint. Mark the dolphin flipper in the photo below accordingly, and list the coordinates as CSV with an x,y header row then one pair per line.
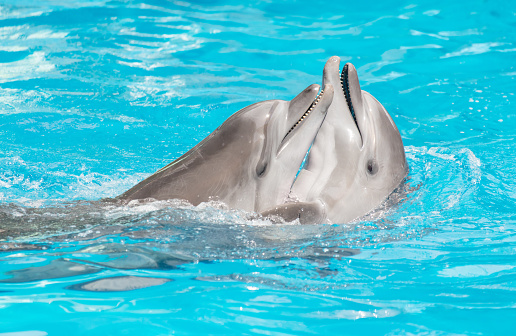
x,y
306,212
119,284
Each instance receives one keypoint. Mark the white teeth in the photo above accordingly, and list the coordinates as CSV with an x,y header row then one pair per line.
x,y
316,100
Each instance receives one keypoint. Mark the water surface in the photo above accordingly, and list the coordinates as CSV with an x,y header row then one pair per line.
x,y
97,95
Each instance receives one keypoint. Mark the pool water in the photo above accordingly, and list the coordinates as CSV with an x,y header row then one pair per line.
x,y
97,95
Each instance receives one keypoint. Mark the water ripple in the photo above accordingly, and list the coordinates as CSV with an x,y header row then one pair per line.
x,y
97,95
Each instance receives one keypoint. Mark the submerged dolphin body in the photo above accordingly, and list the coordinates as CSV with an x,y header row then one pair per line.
x,y
250,161
356,160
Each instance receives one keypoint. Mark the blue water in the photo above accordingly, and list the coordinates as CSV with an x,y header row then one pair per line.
x,y
97,95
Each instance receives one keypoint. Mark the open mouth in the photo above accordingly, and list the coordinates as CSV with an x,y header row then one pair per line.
x,y
344,82
308,111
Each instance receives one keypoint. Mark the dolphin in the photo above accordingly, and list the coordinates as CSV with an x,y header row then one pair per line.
x,y
250,161
356,161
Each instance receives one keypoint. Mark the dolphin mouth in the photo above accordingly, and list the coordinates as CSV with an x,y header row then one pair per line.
x,y
344,83
308,111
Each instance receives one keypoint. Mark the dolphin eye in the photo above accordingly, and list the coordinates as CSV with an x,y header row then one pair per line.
x,y
261,169
372,167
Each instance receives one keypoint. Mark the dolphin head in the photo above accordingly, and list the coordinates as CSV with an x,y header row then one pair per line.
x,y
282,135
250,161
357,158
254,156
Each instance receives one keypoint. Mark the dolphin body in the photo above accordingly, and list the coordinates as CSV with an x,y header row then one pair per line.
x,y
250,161
356,160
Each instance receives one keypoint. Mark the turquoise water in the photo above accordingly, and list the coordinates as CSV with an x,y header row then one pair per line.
x,y
97,95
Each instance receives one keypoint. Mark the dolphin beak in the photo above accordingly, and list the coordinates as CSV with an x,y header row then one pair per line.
x,y
311,114
347,107
301,103
351,88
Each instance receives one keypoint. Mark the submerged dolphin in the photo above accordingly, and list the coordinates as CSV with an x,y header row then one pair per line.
x,y
250,161
356,160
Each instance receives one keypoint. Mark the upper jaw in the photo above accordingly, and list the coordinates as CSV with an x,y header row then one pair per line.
x,y
300,104
352,92
300,108
306,112
348,97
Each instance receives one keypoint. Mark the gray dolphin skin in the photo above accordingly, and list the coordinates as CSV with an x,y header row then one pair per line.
x,y
250,161
356,160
